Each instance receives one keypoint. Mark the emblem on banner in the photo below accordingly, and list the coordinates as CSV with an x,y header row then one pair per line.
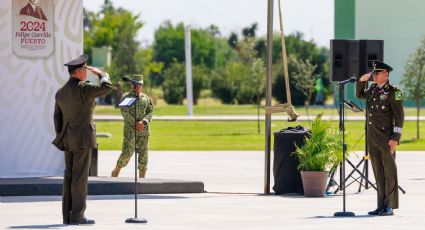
x,y
32,30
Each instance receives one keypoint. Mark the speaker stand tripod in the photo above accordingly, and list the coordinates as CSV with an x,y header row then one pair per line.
x,y
363,175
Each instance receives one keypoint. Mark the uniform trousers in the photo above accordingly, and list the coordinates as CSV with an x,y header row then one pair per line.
x,y
385,171
129,147
74,193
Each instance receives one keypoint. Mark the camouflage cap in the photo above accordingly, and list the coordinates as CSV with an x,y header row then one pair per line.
x,y
139,78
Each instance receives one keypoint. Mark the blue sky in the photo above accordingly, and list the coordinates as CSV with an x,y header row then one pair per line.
x,y
312,17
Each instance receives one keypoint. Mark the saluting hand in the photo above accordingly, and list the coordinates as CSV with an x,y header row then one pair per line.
x,y
365,77
94,70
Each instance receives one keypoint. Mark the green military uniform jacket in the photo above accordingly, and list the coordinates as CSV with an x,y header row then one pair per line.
x,y
144,112
73,115
385,111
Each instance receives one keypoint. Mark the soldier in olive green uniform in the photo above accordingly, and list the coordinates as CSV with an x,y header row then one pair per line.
x,y
386,116
144,116
76,135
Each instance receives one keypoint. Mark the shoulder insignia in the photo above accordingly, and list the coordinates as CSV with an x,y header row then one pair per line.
x,y
395,87
84,83
398,95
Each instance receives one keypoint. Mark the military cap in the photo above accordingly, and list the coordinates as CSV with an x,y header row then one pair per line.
x,y
139,78
77,63
379,66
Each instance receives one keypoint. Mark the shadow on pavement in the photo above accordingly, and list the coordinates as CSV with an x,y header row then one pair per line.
x,y
340,217
24,199
43,226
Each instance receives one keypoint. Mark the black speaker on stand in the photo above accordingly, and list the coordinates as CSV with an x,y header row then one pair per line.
x,y
369,50
344,59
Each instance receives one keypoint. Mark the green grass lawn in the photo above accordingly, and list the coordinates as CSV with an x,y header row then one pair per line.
x,y
233,135
162,110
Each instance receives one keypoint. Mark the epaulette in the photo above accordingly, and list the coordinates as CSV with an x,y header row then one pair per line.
x,y
84,83
395,87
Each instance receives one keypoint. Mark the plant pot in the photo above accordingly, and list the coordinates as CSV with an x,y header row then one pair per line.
x,y
314,183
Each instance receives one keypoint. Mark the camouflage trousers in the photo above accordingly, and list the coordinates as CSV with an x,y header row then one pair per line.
x,y
128,150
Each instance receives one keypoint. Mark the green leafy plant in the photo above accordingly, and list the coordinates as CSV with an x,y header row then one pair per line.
x,y
323,149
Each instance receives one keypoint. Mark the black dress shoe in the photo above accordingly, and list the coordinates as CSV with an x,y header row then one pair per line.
x,y
386,212
375,212
83,221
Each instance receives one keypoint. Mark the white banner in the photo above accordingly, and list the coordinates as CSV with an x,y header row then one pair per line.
x,y
30,79
32,28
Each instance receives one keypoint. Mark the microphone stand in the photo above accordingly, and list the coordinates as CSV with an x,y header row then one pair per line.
x,y
136,99
344,147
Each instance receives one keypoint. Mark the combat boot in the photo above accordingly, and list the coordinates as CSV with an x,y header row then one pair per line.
x,y
142,173
116,171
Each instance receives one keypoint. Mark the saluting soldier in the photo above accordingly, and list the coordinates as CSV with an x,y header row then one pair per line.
x,y
144,116
385,122
76,134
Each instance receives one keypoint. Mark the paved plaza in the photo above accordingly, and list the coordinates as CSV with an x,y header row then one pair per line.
x,y
233,198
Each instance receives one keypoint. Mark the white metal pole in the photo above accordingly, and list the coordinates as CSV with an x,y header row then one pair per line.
x,y
189,90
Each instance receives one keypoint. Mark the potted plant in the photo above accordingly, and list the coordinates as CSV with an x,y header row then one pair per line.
x,y
321,151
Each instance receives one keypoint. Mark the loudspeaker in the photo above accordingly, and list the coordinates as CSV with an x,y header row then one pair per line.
x,y
344,59
370,50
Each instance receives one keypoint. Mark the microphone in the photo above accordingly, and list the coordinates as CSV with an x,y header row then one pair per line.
x,y
126,79
351,79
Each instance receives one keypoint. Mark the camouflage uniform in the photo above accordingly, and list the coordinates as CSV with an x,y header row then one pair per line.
x,y
144,114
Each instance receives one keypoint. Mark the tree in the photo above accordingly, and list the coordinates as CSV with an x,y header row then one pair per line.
x,y
303,76
301,53
124,44
278,86
413,79
116,28
249,32
256,74
174,85
259,73
226,82
233,40
169,45
147,67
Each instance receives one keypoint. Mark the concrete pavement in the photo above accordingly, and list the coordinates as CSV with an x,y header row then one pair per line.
x,y
234,200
